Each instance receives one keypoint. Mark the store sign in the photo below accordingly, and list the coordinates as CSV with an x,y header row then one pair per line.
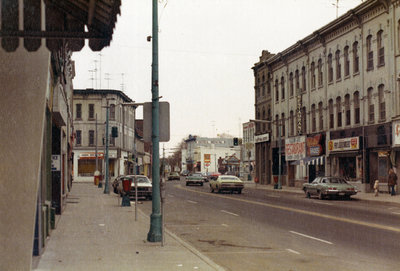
x,y
261,138
396,133
207,158
91,155
344,144
55,163
295,148
314,145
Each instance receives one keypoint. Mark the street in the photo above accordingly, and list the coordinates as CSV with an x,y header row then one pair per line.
x,y
267,230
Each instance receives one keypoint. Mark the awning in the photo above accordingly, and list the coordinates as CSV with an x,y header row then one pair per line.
x,y
318,160
65,22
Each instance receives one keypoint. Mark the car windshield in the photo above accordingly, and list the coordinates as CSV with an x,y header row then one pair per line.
x,y
197,175
230,178
140,179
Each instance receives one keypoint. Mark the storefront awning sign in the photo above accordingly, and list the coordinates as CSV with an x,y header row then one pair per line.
x,y
396,133
295,148
344,144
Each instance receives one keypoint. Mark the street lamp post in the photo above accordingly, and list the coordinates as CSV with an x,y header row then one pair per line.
x,y
106,188
278,124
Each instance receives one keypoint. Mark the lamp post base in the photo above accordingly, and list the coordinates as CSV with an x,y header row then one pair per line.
x,y
155,233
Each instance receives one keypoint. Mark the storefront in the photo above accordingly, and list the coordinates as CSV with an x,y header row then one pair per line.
x,y
85,164
295,150
395,153
316,156
263,158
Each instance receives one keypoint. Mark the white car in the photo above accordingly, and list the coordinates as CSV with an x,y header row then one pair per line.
x,y
145,188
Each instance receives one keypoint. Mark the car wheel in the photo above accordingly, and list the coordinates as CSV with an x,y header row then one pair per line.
x,y
320,195
308,195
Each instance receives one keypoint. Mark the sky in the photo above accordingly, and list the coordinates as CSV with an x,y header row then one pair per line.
x,y
206,51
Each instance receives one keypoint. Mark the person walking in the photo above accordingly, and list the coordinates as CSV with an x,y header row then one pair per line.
x,y
392,181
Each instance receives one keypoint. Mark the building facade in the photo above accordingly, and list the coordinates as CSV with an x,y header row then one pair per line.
x,y
332,99
90,107
248,150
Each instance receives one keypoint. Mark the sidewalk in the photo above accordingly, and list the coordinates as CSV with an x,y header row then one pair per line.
x,y
383,197
95,233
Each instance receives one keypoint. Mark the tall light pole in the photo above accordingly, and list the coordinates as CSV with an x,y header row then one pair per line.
x,y
278,126
155,232
106,188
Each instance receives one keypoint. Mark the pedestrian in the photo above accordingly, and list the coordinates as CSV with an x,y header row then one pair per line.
x,y
376,188
392,181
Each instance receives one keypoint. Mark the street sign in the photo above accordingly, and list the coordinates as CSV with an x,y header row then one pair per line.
x,y
164,132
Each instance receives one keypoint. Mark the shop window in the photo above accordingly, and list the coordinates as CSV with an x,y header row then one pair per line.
x,y
382,138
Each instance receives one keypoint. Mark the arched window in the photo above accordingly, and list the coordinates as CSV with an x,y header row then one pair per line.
x,y
291,86
356,98
339,111
331,114
381,97
370,54
263,117
283,133
276,90
320,73
313,119
303,79
338,66
291,123
346,61
321,116
330,69
356,67
313,82
304,120
380,49
347,109
297,79
277,126
282,88
371,109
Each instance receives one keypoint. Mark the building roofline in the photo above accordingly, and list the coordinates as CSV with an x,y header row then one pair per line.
x,y
89,91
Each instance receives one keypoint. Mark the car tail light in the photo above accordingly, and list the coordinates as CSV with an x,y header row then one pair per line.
x,y
332,188
351,189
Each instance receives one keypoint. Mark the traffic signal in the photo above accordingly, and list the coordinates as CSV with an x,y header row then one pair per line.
x,y
114,131
235,141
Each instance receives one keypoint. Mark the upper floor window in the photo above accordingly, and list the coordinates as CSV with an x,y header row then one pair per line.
x,y
381,97
371,109
269,84
380,49
91,111
91,138
303,79
356,67
330,69
338,66
263,117
277,126
313,82
347,109
321,116
320,73
297,80
303,120
283,131
370,54
339,111
346,61
78,137
263,90
291,119
276,90
331,114
112,111
313,119
356,107
291,86
78,111
282,88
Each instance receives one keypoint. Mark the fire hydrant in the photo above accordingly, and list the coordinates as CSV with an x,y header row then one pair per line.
x,y
126,189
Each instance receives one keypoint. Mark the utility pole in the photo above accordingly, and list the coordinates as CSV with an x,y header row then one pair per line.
x,y
155,233
106,186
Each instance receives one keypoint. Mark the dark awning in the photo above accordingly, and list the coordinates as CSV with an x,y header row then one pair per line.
x,y
65,22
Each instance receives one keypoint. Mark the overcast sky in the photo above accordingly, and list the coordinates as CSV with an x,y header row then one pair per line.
x,y
206,51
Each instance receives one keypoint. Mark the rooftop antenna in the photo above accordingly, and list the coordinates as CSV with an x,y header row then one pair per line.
x,y
95,72
100,71
122,84
91,76
337,8
107,78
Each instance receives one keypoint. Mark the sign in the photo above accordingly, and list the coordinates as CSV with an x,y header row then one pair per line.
x,y
299,118
396,133
207,158
207,164
314,145
344,144
55,163
91,155
295,148
261,138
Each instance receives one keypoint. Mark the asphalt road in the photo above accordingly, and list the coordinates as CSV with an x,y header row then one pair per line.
x,y
267,230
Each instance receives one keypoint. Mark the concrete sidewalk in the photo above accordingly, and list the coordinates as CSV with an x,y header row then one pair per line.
x,y
95,233
383,197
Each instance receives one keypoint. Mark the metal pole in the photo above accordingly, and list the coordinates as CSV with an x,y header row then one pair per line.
x,y
155,233
136,202
97,158
280,149
106,188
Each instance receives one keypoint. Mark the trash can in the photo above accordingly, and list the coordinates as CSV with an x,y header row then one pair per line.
x,y
96,177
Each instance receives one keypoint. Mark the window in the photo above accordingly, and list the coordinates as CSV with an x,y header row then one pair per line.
x,y
91,138
371,109
330,69
338,66
269,118
381,97
277,126
303,120
347,109
346,62
331,115
303,79
79,111
356,67
380,49
313,82
257,123
112,112
263,91
276,90
257,91
269,84
313,119
370,54
291,123
321,116
297,79
263,117
78,137
283,125
356,107
320,73
291,87
339,111
282,88
91,111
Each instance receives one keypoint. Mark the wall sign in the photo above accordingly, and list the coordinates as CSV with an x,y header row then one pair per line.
x,y
396,133
261,138
55,163
344,144
295,148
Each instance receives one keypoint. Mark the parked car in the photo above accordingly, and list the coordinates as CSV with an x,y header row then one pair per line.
x,y
145,188
185,173
116,182
329,187
173,176
212,176
226,183
195,178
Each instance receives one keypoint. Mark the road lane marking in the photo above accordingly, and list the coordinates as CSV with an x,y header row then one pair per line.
x,y
229,213
224,225
311,237
293,251
341,219
191,201
323,203
396,213
272,196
